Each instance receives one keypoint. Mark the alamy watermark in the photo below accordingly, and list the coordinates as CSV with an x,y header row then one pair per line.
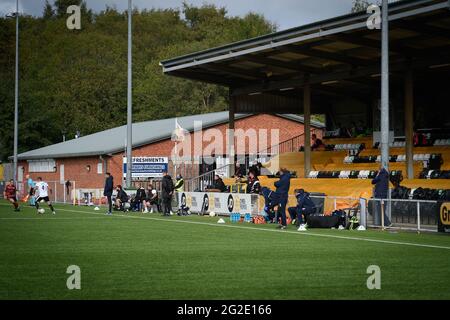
x,y
374,280
73,22
74,280
374,21
212,142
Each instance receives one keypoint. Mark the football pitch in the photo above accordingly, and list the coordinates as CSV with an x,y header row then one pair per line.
x,y
147,256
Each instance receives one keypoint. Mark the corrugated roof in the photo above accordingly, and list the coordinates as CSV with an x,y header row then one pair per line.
x,y
113,140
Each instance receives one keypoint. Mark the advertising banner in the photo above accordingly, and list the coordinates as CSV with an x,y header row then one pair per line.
x,y
444,217
219,202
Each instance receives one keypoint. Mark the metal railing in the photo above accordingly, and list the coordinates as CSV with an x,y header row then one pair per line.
x,y
405,214
188,168
289,145
201,182
206,179
409,214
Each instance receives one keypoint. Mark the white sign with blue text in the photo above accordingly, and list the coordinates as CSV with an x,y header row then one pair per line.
x,y
147,167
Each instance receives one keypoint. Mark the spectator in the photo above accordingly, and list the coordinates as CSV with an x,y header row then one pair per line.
x,y
151,200
381,189
256,168
121,199
317,143
282,191
108,190
360,131
305,207
179,185
253,185
344,132
68,186
139,198
238,172
219,184
166,194
396,180
419,139
353,129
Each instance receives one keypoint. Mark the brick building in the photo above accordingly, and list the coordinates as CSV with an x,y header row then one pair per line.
x,y
84,161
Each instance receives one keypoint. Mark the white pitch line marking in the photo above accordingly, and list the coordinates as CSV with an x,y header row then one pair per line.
x,y
274,230
267,230
54,218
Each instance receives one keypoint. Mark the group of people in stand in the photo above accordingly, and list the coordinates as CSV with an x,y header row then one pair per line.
x,y
146,201
305,206
316,145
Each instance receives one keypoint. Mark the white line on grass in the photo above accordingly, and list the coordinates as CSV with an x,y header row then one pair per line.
x,y
53,218
266,230
274,230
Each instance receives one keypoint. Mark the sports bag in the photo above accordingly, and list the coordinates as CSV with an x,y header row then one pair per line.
x,y
321,221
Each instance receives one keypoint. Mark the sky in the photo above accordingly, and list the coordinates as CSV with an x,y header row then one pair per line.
x,y
285,13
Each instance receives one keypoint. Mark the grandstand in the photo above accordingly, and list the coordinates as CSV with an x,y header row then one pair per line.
x,y
332,67
367,159
331,168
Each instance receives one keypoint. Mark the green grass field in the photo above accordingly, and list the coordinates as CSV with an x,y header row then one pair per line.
x,y
148,256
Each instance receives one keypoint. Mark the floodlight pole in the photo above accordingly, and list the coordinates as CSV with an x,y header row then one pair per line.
x,y
129,103
385,87
16,98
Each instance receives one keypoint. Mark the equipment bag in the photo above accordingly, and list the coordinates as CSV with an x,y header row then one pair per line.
x,y
321,221
352,223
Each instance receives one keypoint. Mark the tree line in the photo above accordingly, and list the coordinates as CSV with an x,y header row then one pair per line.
x,y
76,80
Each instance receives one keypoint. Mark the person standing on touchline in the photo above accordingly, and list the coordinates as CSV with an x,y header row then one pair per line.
x,y
108,190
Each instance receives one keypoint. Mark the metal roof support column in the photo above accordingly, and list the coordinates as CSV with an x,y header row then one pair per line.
x,y
385,87
16,98
409,107
307,127
230,144
129,103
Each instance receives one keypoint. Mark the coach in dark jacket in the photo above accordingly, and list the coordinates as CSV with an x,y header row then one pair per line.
x,y
380,191
381,182
305,207
282,190
166,193
108,190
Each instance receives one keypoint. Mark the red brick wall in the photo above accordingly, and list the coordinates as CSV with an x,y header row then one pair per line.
x,y
75,168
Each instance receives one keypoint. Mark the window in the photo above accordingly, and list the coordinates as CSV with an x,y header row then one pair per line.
x,y
99,168
46,165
